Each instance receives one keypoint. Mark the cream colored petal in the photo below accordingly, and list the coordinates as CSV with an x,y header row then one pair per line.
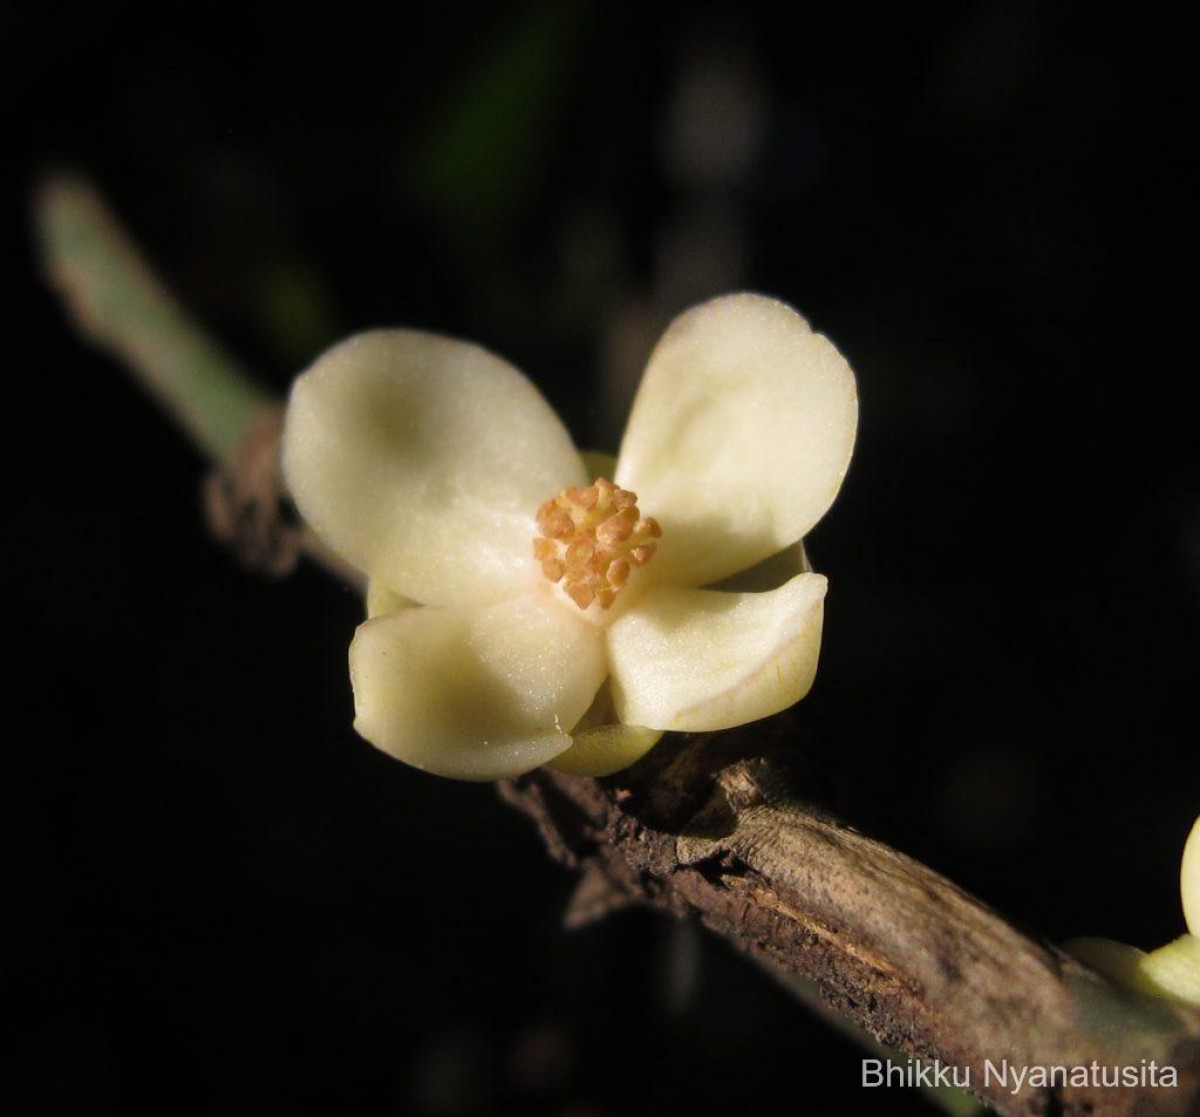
x,y
601,745
696,660
423,460
740,435
1189,880
606,749
381,599
476,694
769,574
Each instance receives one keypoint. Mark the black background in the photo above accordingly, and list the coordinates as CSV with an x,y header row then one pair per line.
x,y
220,900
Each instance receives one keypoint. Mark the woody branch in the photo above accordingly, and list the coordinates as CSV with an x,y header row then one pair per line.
x,y
719,829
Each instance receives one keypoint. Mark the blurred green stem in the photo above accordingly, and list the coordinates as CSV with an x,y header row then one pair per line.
x,y
118,301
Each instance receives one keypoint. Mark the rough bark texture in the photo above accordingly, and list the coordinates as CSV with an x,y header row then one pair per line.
x,y
703,830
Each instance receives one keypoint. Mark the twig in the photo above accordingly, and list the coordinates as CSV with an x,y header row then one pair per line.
x,y
116,300
708,828
713,829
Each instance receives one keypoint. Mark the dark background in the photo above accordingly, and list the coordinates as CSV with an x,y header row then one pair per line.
x,y
218,898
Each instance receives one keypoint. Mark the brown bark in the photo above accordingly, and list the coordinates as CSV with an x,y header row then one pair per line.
x,y
704,829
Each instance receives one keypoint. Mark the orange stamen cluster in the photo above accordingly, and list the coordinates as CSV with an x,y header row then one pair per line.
x,y
592,539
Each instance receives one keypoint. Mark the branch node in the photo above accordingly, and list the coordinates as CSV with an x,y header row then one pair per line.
x,y
244,504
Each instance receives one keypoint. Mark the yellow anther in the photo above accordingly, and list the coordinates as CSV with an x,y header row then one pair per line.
x,y
581,593
580,551
617,573
583,498
555,523
591,540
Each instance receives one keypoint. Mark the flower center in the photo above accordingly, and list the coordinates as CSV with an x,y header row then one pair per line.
x,y
592,539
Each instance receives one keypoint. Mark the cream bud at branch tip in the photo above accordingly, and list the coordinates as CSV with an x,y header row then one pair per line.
x,y
1189,880
591,539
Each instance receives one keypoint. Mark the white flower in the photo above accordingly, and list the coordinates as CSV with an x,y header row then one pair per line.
x,y
506,590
